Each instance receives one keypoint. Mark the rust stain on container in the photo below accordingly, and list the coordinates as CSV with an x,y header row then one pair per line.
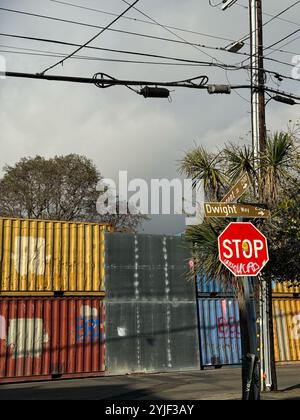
x,y
46,337
49,256
286,314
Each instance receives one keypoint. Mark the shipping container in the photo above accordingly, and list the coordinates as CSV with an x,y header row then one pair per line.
x,y
43,257
286,313
286,288
213,287
44,338
220,334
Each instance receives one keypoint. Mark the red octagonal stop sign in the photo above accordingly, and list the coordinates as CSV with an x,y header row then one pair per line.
x,y
243,249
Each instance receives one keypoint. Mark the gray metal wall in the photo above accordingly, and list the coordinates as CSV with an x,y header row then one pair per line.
x,y
150,306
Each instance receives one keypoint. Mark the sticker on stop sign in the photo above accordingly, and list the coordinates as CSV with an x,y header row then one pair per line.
x,y
243,249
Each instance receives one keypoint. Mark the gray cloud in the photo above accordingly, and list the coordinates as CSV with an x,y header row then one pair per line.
x,y
116,128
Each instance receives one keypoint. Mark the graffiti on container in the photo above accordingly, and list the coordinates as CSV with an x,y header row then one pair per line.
x,y
228,328
296,327
26,337
2,328
29,255
88,326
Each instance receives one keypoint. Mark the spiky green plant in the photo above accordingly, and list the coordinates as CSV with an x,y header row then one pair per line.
x,y
200,164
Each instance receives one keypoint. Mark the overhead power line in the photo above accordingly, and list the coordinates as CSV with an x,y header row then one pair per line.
x,y
108,81
278,17
177,60
270,47
171,32
56,54
139,34
142,21
282,39
93,38
143,35
282,12
129,52
153,22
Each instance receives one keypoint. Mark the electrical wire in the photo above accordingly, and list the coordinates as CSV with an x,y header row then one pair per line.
x,y
172,32
119,30
111,81
129,52
154,23
45,53
271,20
179,61
220,49
214,5
93,38
266,56
281,40
141,20
272,16
288,43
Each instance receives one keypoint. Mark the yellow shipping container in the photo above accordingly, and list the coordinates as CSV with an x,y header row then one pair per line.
x,y
286,313
285,288
40,257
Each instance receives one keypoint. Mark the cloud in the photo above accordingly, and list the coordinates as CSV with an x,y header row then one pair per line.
x,y
116,128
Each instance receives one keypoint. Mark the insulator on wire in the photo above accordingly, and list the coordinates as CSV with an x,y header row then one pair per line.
x,y
221,89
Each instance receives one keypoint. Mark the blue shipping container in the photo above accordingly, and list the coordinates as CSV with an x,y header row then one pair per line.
x,y
212,286
205,286
220,332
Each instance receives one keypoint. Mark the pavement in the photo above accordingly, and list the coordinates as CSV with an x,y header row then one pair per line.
x,y
222,384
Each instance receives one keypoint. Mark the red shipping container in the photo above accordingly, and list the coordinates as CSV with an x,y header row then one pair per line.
x,y
45,338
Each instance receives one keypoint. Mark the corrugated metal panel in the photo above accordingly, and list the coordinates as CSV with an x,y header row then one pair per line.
x,y
207,287
286,288
220,332
47,256
46,337
151,337
212,286
287,329
151,307
147,266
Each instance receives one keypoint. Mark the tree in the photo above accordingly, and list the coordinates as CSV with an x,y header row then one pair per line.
x,y
283,232
278,166
59,188
200,164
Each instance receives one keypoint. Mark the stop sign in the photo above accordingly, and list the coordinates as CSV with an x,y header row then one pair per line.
x,y
243,249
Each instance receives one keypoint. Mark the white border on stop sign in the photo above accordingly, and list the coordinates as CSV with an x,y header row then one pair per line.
x,y
264,263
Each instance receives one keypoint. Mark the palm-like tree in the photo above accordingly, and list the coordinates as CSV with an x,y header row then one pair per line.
x,y
205,240
277,164
240,160
200,164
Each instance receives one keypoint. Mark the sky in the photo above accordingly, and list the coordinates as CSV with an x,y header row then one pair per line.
x,y
116,128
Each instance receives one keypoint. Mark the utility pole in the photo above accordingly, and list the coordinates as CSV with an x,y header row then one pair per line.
x,y
259,135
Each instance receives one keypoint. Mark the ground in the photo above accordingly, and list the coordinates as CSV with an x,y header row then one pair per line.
x,y
222,384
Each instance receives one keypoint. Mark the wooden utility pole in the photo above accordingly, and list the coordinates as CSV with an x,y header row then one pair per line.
x,y
261,78
259,137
